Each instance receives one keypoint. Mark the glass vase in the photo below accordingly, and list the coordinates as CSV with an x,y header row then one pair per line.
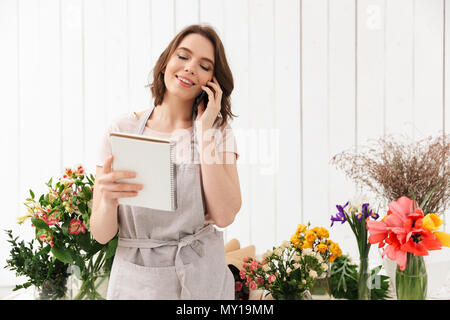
x,y
363,279
411,283
321,289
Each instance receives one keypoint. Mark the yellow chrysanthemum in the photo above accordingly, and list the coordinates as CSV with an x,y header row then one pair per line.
x,y
322,247
300,229
307,245
295,240
310,236
322,233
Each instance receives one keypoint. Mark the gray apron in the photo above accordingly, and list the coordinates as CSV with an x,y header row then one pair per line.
x,y
171,255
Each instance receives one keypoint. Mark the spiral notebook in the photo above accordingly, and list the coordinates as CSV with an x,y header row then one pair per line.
x,y
153,161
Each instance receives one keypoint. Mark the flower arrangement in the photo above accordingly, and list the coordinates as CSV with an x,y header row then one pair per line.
x,y
356,213
316,239
48,276
392,169
61,221
406,234
284,272
290,270
405,229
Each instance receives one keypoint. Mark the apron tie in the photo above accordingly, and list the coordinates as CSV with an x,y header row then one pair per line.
x,y
192,240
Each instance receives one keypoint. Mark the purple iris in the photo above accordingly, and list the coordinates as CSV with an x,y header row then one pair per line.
x,y
340,216
366,213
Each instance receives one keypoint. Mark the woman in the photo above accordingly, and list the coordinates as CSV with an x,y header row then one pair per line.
x,y
176,255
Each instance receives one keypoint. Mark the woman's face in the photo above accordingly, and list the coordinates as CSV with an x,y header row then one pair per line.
x,y
192,61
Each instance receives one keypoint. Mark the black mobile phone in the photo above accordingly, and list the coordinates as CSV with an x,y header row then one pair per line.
x,y
203,96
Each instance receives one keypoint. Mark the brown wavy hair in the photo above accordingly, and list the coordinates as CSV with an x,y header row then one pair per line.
x,y
222,71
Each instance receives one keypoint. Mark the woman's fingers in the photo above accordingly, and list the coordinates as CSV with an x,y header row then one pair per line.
x,y
107,166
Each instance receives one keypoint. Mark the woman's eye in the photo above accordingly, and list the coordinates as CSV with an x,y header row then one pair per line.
x,y
205,68
181,57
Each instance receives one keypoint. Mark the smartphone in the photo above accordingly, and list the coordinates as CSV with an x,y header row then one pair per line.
x,y
203,96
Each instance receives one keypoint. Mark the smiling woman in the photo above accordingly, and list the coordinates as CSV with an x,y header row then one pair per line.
x,y
176,254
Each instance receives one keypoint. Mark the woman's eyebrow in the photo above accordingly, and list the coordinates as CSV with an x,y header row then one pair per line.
x,y
190,51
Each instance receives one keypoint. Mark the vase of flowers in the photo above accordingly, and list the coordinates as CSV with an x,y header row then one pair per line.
x,y
284,272
317,239
406,235
357,213
61,221
47,275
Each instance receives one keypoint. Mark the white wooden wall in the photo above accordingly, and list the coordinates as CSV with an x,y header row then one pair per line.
x,y
312,78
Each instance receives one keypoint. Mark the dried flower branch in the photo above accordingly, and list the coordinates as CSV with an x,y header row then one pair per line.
x,y
393,169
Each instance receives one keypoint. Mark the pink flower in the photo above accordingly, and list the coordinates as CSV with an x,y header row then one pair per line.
x,y
260,280
242,274
272,278
245,259
245,265
76,226
46,238
252,285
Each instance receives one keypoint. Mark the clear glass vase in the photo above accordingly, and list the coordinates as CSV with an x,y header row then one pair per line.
x,y
411,283
321,289
363,279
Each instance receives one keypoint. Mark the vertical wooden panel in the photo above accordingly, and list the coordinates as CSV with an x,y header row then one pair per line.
x,y
236,42
428,53
261,75
370,73
315,110
447,88
9,126
162,27
39,95
212,12
95,75
72,108
187,12
341,101
399,71
139,53
117,60
287,117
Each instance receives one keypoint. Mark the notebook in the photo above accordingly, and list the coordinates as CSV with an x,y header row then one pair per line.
x,y
153,161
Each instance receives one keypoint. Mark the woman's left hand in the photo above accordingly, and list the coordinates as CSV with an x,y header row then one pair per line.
x,y
206,116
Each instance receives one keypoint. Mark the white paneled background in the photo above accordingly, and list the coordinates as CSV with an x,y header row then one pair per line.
x,y
312,78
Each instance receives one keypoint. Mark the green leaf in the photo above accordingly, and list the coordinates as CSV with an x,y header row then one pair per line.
x,y
111,249
40,224
32,194
62,254
84,240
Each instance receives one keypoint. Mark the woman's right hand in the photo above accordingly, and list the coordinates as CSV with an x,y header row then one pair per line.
x,y
110,190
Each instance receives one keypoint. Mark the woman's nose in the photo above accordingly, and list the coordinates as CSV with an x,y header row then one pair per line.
x,y
188,68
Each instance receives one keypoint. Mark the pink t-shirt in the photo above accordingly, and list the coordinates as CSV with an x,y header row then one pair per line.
x,y
224,139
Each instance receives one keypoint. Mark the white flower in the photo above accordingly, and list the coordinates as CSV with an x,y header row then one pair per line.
x,y
285,244
278,251
304,281
267,254
313,274
307,252
296,257
324,266
296,266
319,257
266,268
289,270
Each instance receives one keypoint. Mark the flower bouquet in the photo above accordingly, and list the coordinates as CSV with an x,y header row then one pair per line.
x,y
357,213
318,240
406,234
61,221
